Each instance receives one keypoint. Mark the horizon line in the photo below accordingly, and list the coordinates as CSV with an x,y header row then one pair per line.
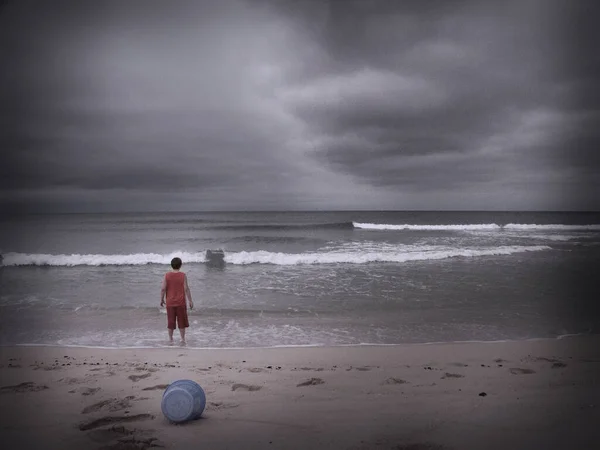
x,y
208,211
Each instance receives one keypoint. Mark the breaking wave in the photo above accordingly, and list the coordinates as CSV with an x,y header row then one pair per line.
x,y
44,259
265,257
275,227
384,226
284,259
549,227
476,227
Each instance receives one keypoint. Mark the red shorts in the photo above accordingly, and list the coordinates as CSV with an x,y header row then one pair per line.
x,y
179,313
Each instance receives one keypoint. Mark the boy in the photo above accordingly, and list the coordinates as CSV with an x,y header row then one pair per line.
x,y
176,289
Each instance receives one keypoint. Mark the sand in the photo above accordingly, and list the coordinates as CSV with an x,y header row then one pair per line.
x,y
539,394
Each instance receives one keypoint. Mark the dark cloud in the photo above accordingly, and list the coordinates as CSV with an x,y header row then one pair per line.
x,y
452,83
299,104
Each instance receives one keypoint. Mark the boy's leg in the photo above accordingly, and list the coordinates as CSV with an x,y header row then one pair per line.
x,y
171,321
182,321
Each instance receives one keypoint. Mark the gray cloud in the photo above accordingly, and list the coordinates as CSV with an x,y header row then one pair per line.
x,y
437,97
262,104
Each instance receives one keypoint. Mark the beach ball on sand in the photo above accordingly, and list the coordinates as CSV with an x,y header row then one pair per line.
x,y
183,400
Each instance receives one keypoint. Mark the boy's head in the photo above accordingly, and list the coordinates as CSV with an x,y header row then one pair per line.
x,y
176,263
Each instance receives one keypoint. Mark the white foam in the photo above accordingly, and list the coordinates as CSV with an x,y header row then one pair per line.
x,y
360,255
457,227
532,234
291,346
286,259
75,259
558,227
469,227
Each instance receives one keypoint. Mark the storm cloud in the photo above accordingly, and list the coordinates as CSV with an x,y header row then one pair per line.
x,y
256,104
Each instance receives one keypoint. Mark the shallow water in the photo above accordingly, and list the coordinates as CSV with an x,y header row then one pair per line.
x,y
327,278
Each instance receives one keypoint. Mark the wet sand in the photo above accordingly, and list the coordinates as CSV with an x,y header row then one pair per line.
x,y
504,395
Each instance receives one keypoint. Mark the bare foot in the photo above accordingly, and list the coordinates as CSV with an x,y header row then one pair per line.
x,y
183,343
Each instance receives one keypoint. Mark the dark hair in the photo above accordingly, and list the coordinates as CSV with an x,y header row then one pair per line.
x,y
176,263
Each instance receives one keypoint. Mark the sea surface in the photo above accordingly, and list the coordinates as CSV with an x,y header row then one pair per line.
x,y
300,278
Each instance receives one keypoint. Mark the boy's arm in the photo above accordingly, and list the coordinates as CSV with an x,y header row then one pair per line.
x,y
187,292
163,291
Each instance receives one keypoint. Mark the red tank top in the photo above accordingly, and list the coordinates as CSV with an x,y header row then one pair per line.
x,y
175,282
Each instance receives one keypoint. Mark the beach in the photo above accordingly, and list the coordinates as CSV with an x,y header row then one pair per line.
x,y
322,330
386,215
529,394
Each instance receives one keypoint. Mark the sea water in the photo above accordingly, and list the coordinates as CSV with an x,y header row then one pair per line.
x,y
300,278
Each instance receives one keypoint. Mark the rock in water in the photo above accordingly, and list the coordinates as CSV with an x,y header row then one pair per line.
x,y
215,258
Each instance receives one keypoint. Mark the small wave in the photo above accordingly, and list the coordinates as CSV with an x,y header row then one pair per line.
x,y
270,239
63,344
309,226
457,227
549,235
286,259
397,255
42,259
558,227
476,227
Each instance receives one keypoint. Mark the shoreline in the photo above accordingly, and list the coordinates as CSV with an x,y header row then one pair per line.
x,y
293,346
448,396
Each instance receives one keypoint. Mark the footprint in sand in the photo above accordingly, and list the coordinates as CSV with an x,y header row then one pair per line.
x,y
146,369
28,386
458,364
221,405
256,370
113,419
120,437
556,364
109,434
245,387
362,368
156,387
85,391
139,377
134,443
71,381
311,382
519,371
452,375
539,358
393,380
89,391
112,404
43,367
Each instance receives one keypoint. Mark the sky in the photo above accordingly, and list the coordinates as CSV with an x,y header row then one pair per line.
x,y
299,105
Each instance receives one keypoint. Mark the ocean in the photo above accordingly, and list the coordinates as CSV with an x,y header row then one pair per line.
x,y
300,278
